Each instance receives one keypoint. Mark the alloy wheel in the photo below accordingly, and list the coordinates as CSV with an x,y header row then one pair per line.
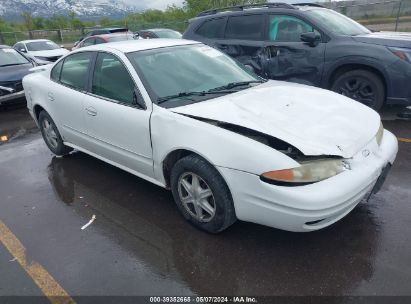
x,y
50,133
358,89
196,197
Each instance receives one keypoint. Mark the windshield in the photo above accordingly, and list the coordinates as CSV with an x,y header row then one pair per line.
x,y
337,23
41,46
168,34
11,57
180,69
120,38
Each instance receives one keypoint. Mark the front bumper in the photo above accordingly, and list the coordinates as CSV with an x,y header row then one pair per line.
x,y
315,206
10,98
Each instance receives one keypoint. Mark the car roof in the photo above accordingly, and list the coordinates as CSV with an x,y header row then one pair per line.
x,y
256,9
129,46
111,35
157,30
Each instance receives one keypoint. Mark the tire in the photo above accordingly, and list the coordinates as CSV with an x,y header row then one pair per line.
x,y
51,135
361,85
183,176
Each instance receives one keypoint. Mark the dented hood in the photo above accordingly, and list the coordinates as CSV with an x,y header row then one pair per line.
x,y
316,121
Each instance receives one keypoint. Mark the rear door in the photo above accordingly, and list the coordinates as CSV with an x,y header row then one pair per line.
x,y
117,128
244,39
289,58
66,94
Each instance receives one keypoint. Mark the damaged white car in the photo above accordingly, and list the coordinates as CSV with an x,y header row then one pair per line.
x,y
228,144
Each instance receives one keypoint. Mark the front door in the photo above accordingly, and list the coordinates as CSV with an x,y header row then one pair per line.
x,y
118,129
289,58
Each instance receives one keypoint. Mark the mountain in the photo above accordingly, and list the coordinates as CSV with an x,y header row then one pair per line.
x,y
85,9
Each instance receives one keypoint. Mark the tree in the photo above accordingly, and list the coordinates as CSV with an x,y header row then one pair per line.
x,y
28,21
74,22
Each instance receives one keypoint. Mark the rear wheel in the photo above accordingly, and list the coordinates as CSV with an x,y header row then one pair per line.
x,y
361,85
51,135
201,194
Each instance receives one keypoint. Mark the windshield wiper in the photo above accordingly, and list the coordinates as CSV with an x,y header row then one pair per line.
x,y
189,94
11,64
233,85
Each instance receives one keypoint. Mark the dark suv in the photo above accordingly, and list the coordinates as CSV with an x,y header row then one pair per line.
x,y
309,44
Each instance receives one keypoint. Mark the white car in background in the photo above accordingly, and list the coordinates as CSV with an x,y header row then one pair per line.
x,y
42,51
228,144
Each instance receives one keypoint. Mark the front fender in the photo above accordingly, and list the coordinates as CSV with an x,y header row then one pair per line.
x,y
222,148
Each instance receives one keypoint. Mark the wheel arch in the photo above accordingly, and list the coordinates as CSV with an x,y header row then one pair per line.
x,y
172,158
37,110
346,67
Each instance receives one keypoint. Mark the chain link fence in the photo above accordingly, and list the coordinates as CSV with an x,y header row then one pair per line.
x,y
391,15
68,36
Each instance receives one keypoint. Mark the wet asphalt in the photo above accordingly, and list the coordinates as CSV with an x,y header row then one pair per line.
x,y
140,245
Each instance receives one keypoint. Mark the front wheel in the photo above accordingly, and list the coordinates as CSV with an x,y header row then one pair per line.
x,y
361,85
201,194
51,135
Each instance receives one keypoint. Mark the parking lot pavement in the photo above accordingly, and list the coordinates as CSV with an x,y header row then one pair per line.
x,y
140,245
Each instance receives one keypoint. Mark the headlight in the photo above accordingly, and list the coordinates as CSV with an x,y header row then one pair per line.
x,y
380,134
404,54
307,173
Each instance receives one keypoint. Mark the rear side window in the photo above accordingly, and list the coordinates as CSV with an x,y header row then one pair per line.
x,y
56,71
100,41
90,41
75,70
212,28
245,27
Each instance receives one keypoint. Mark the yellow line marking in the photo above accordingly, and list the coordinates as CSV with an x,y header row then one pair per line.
x,y
51,289
407,140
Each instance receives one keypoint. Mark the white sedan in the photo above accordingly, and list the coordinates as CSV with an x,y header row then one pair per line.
x,y
229,145
42,51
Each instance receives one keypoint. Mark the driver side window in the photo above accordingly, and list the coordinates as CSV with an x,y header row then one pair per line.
x,y
285,28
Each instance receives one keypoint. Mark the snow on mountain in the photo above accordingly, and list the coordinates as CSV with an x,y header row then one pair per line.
x,y
86,9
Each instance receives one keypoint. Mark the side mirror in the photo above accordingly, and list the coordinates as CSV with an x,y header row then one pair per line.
x,y
311,38
62,46
23,50
138,100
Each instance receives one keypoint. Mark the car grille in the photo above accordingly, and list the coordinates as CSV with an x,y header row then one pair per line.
x,y
16,85
54,58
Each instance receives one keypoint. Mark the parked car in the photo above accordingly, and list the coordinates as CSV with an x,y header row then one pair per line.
x,y
98,39
159,33
13,67
42,51
103,31
312,45
229,144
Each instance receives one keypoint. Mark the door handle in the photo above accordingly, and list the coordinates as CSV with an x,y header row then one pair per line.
x,y
91,111
50,96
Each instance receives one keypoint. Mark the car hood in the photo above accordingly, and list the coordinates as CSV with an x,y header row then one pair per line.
x,y
315,121
395,39
50,53
14,72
